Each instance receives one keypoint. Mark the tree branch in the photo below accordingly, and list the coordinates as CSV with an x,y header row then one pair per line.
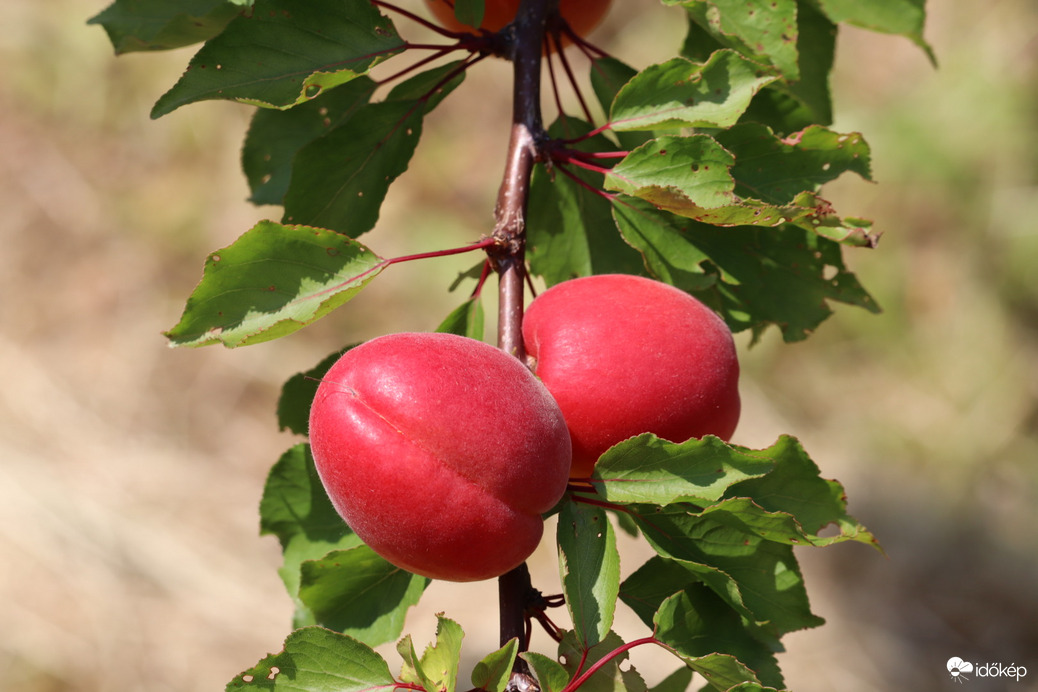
x,y
525,43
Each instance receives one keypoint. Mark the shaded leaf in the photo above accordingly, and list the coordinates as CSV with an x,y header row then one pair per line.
x,y
760,579
296,509
590,568
465,320
147,25
696,622
274,280
678,681
284,53
339,180
681,93
275,137
297,394
753,276
570,229
317,660
356,592
645,590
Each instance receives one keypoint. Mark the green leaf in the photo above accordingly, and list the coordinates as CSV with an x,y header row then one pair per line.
x,y
272,281
677,173
590,568
645,590
317,660
469,12
796,488
275,137
608,75
647,469
681,93
437,670
339,181
760,579
723,672
285,53
763,30
776,170
494,671
612,676
358,593
147,25
551,676
753,276
465,320
296,509
902,17
698,177
696,622
787,104
297,394
678,681
570,229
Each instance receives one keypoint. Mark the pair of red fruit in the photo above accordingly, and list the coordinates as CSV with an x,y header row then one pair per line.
x,y
442,452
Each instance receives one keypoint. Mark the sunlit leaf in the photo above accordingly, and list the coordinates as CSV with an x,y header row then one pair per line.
x,y
273,281
317,660
437,669
616,675
647,469
763,30
903,17
590,567
493,672
681,93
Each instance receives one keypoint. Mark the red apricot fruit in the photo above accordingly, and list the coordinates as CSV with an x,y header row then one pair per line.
x,y
440,452
581,15
625,355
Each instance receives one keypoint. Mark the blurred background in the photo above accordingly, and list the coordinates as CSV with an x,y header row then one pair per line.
x,y
130,473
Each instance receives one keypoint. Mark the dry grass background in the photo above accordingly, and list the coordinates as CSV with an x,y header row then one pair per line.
x,y
130,473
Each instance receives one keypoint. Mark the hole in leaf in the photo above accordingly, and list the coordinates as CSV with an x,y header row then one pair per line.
x,y
829,530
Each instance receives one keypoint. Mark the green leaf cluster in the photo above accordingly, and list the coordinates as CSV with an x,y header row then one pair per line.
x,y
706,173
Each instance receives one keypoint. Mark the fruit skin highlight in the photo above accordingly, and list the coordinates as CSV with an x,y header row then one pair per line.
x,y
441,452
581,15
625,355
